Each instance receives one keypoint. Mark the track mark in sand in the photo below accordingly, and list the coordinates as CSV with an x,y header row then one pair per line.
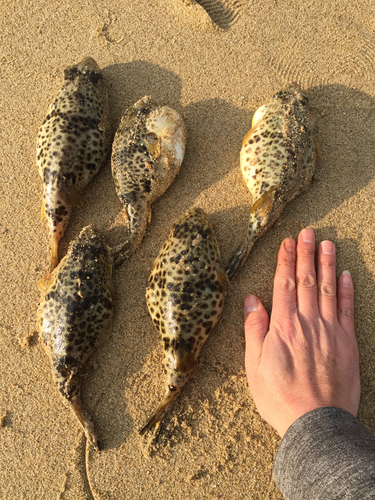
x,y
361,64
297,71
290,67
354,62
224,13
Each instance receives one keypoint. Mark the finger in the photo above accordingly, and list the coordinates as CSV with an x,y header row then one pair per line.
x,y
307,297
327,299
284,290
256,328
345,306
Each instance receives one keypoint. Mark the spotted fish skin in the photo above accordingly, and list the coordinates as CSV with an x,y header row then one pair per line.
x,y
277,161
75,306
72,144
185,297
147,153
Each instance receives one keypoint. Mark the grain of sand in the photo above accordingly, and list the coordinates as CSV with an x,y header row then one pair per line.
x,y
215,64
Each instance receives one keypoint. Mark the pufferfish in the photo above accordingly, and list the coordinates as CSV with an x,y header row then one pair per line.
x,y
72,144
185,297
147,153
76,304
278,158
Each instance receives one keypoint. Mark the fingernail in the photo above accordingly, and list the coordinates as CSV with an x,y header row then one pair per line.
x,y
290,245
346,279
328,247
307,235
251,304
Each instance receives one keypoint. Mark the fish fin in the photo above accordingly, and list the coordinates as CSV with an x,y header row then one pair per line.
x,y
120,253
42,213
111,290
264,204
71,196
235,263
55,254
153,423
45,282
151,261
221,275
186,361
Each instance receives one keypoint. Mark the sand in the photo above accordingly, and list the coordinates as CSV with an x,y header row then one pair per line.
x,y
215,63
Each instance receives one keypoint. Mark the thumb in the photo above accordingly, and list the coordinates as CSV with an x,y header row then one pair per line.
x,y
256,328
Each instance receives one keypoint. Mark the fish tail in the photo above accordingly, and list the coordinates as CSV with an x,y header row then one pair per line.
x,y
235,263
137,220
153,423
241,254
87,425
261,219
120,253
87,462
70,388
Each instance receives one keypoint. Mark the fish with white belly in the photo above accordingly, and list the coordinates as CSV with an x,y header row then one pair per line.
x,y
147,153
277,161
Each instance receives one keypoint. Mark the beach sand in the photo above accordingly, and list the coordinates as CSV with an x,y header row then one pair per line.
x,y
215,63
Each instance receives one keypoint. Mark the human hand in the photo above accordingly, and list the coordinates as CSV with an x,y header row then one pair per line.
x,y
306,357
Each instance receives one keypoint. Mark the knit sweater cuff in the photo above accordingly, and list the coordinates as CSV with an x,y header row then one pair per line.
x,y
326,454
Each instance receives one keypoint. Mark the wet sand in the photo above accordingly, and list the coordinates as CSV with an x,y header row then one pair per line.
x,y
215,65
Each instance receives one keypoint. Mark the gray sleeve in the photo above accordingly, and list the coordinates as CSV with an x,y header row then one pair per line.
x,y
327,454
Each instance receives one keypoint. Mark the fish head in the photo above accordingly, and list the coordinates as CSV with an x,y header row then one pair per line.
x,y
193,229
87,68
92,247
292,98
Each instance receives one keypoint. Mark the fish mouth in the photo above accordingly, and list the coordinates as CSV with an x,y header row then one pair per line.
x,y
88,64
293,93
90,235
86,67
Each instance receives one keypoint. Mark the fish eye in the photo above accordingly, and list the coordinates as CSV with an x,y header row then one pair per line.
x,y
102,249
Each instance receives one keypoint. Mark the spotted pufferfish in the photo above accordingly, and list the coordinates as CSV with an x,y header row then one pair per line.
x,y
185,298
75,306
147,153
72,144
277,159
